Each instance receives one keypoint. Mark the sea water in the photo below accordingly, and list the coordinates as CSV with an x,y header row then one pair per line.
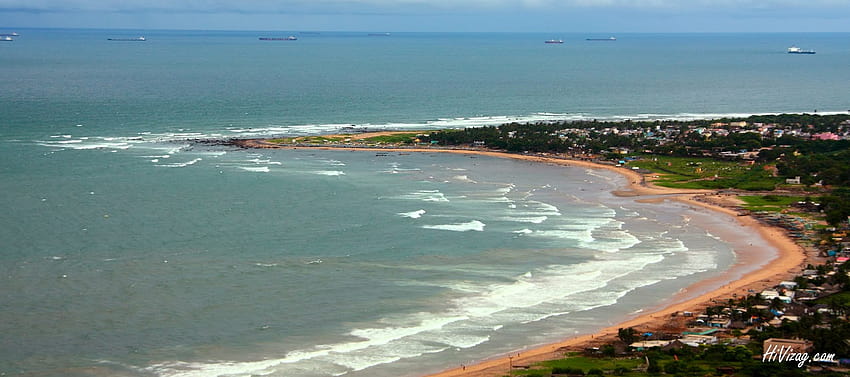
x,y
126,248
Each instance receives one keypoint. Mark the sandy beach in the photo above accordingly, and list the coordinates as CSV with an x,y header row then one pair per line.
x,y
737,280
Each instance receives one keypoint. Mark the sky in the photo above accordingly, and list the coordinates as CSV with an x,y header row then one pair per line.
x,y
435,15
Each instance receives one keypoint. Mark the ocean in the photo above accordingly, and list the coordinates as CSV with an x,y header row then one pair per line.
x,y
126,248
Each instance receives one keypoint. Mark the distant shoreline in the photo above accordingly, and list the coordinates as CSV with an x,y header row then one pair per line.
x,y
789,261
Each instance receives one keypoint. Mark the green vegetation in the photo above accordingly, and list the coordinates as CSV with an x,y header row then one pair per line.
x,y
836,206
580,365
711,360
768,142
770,203
395,138
838,300
705,173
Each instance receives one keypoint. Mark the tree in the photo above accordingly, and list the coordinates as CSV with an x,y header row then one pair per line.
x,y
627,335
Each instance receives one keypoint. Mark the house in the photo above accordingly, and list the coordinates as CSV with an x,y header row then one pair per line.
x,y
769,294
647,344
793,181
826,136
795,345
695,340
788,285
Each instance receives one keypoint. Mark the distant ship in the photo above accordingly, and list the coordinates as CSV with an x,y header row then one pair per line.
x,y
379,34
797,50
139,39
602,39
555,41
289,38
13,34
6,39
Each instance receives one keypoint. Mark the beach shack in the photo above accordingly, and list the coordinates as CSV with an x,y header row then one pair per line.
x,y
647,344
788,285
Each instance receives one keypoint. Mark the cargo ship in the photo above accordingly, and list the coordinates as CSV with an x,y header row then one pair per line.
x,y
797,50
139,39
555,41
289,38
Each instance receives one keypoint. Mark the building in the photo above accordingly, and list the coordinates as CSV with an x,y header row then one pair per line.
x,y
794,345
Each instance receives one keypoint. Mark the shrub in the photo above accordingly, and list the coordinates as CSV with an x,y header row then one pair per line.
x,y
567,370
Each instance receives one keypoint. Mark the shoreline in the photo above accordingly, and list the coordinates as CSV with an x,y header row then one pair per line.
x,y
736,280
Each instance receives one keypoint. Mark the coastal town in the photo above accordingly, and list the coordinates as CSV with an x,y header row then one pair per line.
x,y
786,172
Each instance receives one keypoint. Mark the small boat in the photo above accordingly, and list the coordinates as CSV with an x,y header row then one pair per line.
x,y
13,34
289,38
138,39
379,34
610,39
797,50
554,41
6,39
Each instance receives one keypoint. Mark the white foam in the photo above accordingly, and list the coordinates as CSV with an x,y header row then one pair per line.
x,y
553,284
256,169
266,162
332,173
582,235
467,324
463,178
612,241
414,214
181,164
524,231
473,225
426,196
533,220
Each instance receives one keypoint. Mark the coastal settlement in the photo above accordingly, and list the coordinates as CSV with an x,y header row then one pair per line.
x,y
788,172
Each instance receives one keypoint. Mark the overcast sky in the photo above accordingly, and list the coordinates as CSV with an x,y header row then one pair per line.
x,y
435,15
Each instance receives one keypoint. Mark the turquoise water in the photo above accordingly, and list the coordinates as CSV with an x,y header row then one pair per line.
x,y
129,249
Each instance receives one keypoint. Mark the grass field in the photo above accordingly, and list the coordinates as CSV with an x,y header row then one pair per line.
x,y
705,173
770,203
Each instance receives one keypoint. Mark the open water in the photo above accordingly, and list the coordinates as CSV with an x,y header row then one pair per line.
x,y
126,249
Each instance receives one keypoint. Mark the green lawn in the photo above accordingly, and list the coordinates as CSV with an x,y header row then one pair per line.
x,y
606,364
770,203
705,173
396,138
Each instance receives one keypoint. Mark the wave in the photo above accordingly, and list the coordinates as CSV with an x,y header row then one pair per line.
x,y
533,220
256,169
463,178
181,164
468,322
331,173
426,196
473,225
414,214
266,162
